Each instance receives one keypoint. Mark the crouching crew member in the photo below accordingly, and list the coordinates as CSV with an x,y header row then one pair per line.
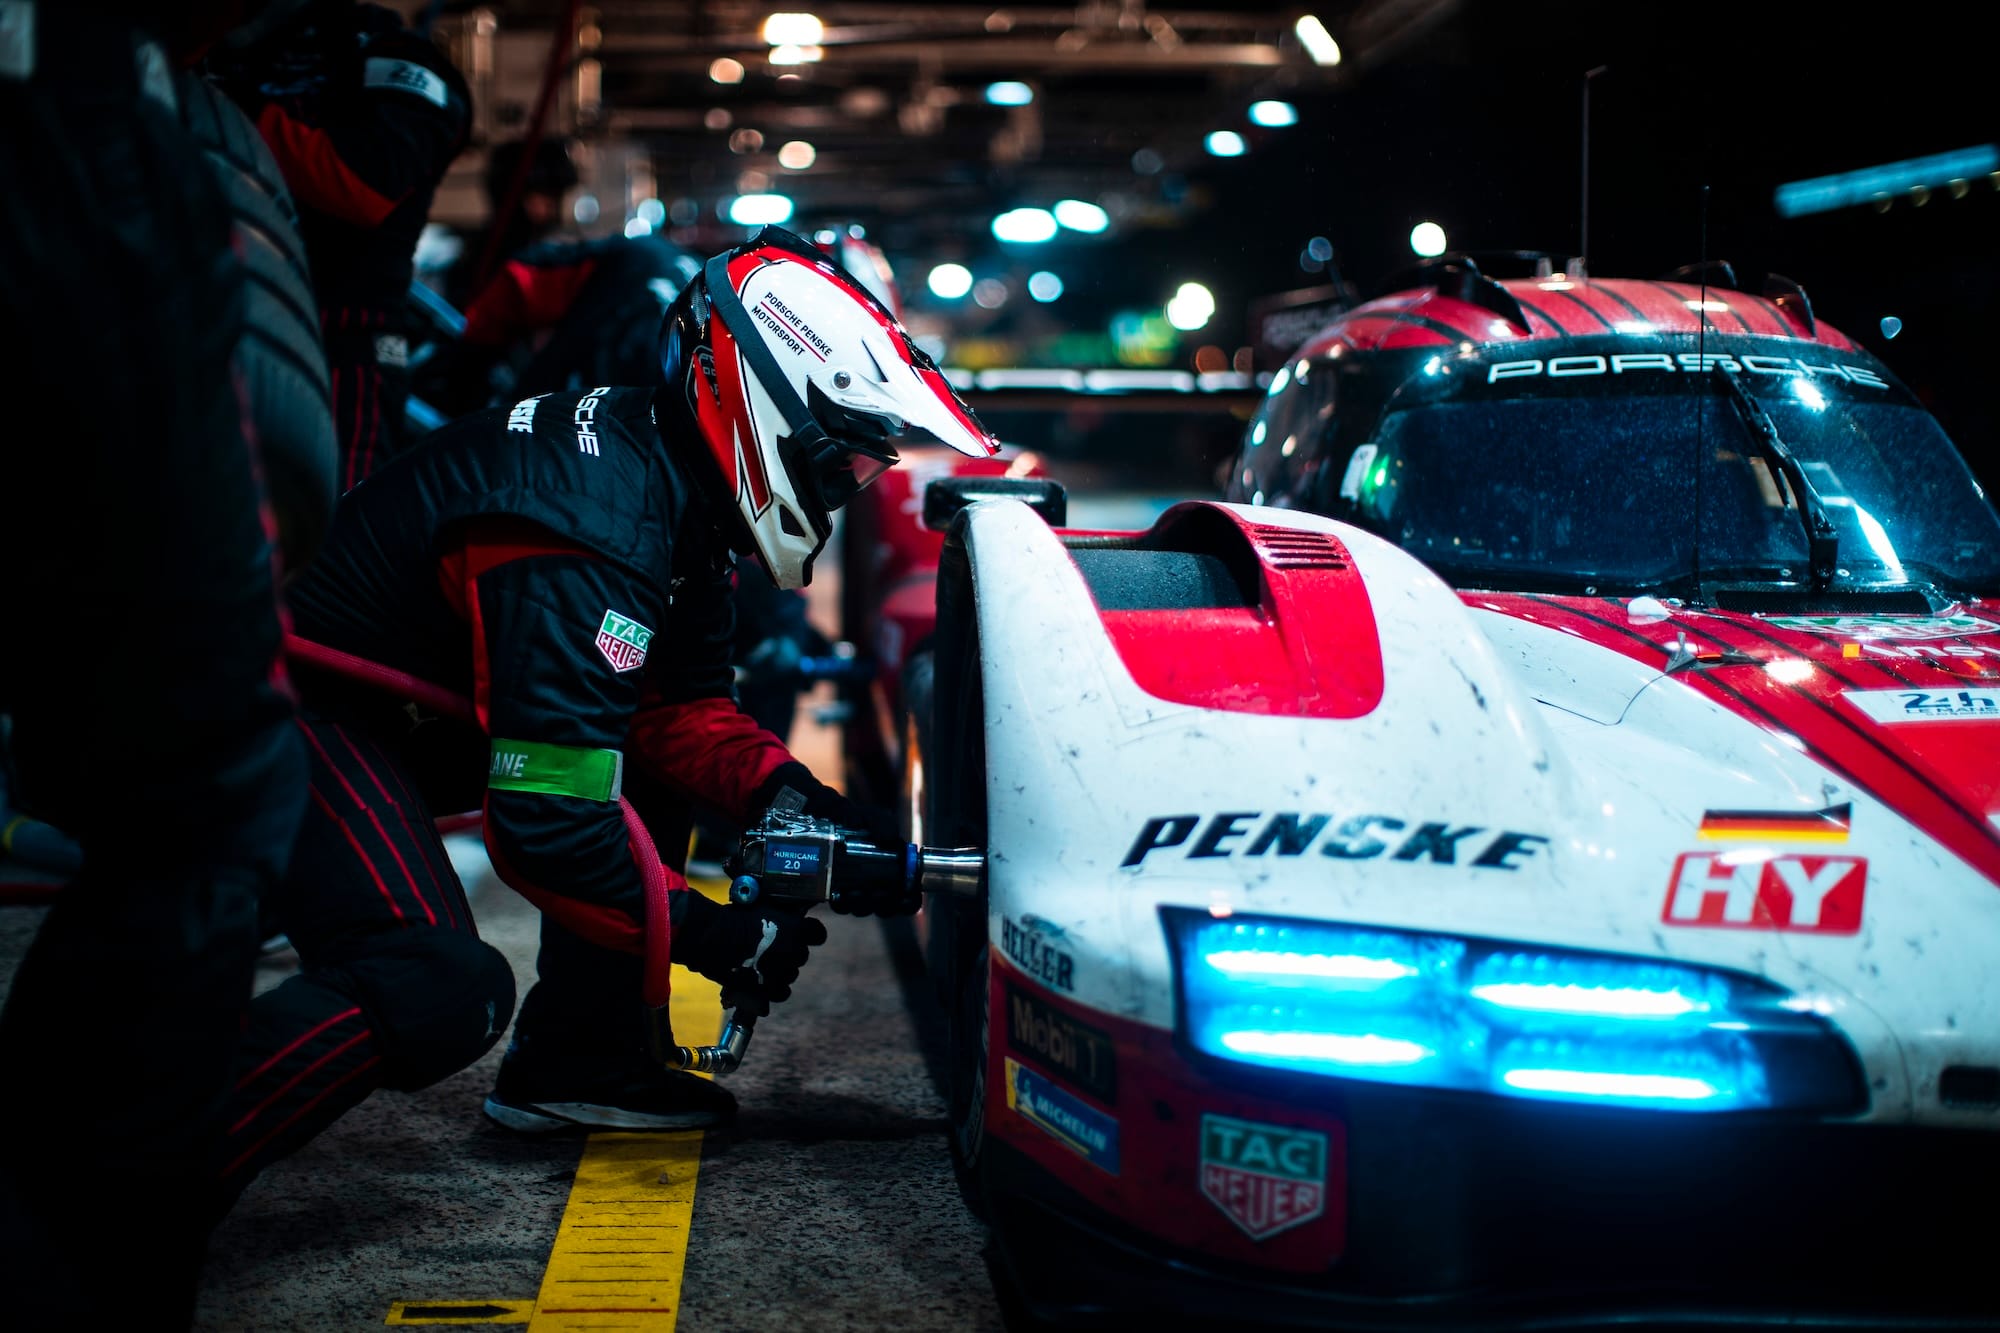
x,y
564,562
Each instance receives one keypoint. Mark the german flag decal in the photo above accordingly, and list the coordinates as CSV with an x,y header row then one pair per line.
x,y
1828,825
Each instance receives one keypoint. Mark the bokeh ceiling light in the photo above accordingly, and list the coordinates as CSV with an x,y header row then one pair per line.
x,y
1080,215
989,293
797,155
1192,307
793,29
1317,41
725,70
793,54
1225,143
1009,92
1427,239
1273,115
1025,226
759,210
950,281
1045,286
652,210
637,227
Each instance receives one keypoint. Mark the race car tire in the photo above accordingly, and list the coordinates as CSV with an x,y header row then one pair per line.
x,y
969,1046
280,358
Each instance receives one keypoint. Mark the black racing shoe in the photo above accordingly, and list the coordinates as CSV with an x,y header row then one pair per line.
x,y
624,1095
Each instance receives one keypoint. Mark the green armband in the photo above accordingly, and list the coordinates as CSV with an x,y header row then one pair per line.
x,y
557,770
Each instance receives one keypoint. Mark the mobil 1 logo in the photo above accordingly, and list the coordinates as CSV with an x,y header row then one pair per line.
x,y
1265,1178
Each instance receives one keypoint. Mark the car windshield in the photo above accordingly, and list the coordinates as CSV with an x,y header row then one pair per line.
x,y
1549,484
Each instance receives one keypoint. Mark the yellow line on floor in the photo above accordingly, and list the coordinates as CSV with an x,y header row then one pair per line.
x,y
460,1312
618,1253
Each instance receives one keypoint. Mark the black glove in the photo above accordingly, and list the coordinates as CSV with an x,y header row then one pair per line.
x,y
755,956
793,787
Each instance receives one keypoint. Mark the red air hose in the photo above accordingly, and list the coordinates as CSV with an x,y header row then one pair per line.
x,y
657,985
559,43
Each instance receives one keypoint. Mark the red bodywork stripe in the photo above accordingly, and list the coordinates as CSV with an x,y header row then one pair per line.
x,y
320,180
1829,735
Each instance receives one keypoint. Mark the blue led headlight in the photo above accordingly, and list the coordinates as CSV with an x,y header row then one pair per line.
x,y
1444,1012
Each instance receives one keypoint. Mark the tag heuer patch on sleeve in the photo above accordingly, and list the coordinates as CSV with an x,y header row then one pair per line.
x,y
623,642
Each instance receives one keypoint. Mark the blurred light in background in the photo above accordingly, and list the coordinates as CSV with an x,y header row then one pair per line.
x,y
1317,41
653,211
718,118
1891,326
950,281
788,54
1273,115
1009,92
1078,215
1045,286
1320,248
585,209
746,141
1225,143
989,293
637,227
684,212
1025,226
791,29
724,70
1192,307
1146,162
1427,239
757,210
797,155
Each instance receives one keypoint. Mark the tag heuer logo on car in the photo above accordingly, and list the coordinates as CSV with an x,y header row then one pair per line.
x,y
1265,1178
1868,629
623,642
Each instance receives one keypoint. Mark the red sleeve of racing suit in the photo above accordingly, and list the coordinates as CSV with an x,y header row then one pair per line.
x,y
525,297
689,733
357,152
551,665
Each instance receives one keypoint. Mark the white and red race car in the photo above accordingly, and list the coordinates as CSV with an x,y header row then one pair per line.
x,y
1561,887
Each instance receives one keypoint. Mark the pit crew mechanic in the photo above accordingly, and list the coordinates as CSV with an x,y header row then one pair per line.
x,y
525,557
364,116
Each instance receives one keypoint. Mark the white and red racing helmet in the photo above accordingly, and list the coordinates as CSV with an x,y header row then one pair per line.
x,y
800,385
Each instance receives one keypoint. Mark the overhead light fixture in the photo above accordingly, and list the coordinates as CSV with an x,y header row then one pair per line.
x,y
1317,41
1824,193
760,210
793,30
1273,115
1427,239
1045,286
725,70
793,54
1192,307
1079,215
797,155
1225,143
950,281
1025,226
1009,92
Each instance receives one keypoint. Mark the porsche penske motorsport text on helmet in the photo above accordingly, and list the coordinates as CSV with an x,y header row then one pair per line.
x,y
800,385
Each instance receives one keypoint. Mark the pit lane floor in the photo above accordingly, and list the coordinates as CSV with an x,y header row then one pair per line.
x,y
830,1204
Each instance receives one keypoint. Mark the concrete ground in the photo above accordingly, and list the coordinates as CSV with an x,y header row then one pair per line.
x,y
830,1205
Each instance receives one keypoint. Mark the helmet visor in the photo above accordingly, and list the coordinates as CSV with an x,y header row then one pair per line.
x,y
839,472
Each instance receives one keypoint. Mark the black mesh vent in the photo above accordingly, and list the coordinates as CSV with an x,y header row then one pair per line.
x,y
1291,548
1970,1086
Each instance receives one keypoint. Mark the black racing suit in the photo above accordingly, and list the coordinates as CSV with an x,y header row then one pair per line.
x,y
364,116
553,563
139,664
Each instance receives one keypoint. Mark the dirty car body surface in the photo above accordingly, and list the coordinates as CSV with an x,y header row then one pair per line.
x,y
1558,936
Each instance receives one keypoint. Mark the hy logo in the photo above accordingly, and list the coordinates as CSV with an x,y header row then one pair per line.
x,y
1264,1178
623,642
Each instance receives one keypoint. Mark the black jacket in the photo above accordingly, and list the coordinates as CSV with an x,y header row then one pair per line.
x,y
555,562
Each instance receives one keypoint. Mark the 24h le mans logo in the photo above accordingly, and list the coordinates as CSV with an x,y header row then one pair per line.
x,y
623,642
1265,1178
